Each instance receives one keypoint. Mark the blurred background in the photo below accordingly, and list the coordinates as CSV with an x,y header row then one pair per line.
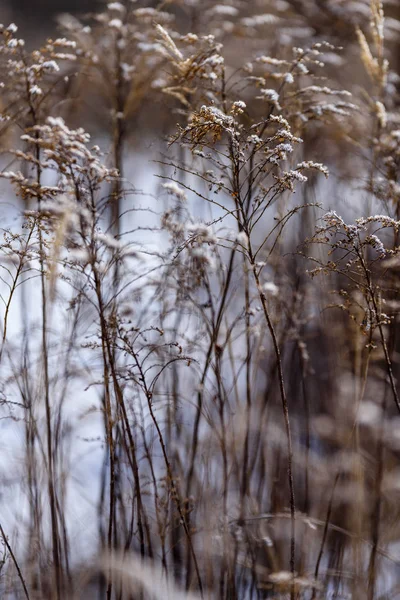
x,y
36,18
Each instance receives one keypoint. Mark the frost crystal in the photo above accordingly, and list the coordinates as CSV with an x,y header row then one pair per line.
x,y
242,239
270,288
35,90
173,188
271,96
309,164
202,233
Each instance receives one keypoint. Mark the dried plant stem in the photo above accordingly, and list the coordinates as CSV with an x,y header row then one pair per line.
x,y
16,564
376,513
175,493
14,284
50,454
371,292
338,473
245,470
210,351
285,409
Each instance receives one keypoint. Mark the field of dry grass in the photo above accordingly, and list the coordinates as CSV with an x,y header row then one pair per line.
x,y
199,326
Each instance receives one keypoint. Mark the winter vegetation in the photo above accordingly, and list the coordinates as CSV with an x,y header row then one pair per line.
x,y
199,303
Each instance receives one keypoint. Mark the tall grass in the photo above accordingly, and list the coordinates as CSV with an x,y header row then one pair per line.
x,y
200,362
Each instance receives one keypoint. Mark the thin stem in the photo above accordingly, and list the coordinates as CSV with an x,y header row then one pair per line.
x,y
13,558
